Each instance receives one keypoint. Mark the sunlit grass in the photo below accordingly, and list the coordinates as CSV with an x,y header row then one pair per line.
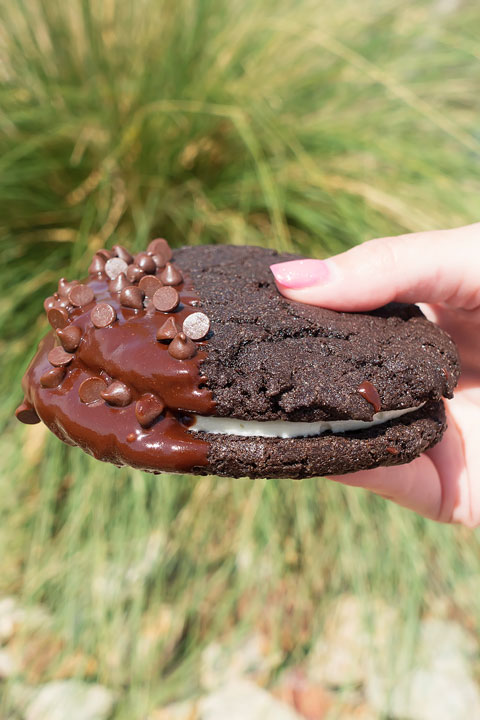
x,y
299,125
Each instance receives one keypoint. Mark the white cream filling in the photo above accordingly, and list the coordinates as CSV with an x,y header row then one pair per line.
x,y
286,429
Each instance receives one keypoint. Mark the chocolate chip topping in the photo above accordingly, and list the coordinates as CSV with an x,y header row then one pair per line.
x,y
102,315
118,394
57,317
181,347
165,299
196,326
70,337
122,253
159,260
81,295
91,389
160,247
52,378
145,263
149,284
26,414
117,285
134,273
168,330
49,303
171,276
370,393
104,253
114,368
114,267
58,357
148,408
97,266
132,297
64,287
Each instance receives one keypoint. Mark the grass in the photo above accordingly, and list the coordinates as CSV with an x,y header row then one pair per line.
x,y
295,124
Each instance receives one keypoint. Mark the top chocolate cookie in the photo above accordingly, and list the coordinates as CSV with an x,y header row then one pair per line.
x,y
270,358
176,361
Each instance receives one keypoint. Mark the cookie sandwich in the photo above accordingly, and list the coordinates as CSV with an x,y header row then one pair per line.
x,y
192,362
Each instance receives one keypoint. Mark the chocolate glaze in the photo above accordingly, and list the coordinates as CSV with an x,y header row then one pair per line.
x,y
126,351
370,393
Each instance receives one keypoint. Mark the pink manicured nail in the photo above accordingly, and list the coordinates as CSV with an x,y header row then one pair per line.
x,y
298,274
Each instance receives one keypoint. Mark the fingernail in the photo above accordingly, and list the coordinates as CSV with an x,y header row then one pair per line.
x,y
297,274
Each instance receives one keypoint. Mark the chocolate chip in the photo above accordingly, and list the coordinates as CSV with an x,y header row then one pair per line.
x,y
122,253
105,254
134,273
160,246
52,378
114,267
168,330
171,276
64,287
132,297
62,302
58,357
370,393
81,295
181,347
196,326
91,389
159,260
70,337
117,285
149,284
49,303
97,266
102,315
146,263
57,317
148,408
117,394
26,414
166,299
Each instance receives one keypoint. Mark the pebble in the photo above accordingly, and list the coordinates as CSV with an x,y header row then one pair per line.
x,y
69,700
243,700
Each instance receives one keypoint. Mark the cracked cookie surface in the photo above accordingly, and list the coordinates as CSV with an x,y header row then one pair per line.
x,y
270,358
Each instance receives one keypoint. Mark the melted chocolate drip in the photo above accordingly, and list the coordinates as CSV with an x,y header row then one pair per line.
x,y
370,393
126,351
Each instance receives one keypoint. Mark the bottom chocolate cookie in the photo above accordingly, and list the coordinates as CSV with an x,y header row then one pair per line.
x,y
396,442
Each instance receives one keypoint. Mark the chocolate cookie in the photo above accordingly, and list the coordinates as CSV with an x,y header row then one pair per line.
x,y
195,363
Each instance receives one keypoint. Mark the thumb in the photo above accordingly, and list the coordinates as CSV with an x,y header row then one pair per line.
x,y
432,267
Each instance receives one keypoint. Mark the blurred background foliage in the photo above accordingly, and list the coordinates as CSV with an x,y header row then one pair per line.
x,y
297,124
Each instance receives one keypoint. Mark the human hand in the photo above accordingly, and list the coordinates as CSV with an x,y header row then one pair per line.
x,y
441,269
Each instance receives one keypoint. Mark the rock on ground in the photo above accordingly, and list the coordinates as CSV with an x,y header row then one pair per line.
x,y
242,700
65,700
436,683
